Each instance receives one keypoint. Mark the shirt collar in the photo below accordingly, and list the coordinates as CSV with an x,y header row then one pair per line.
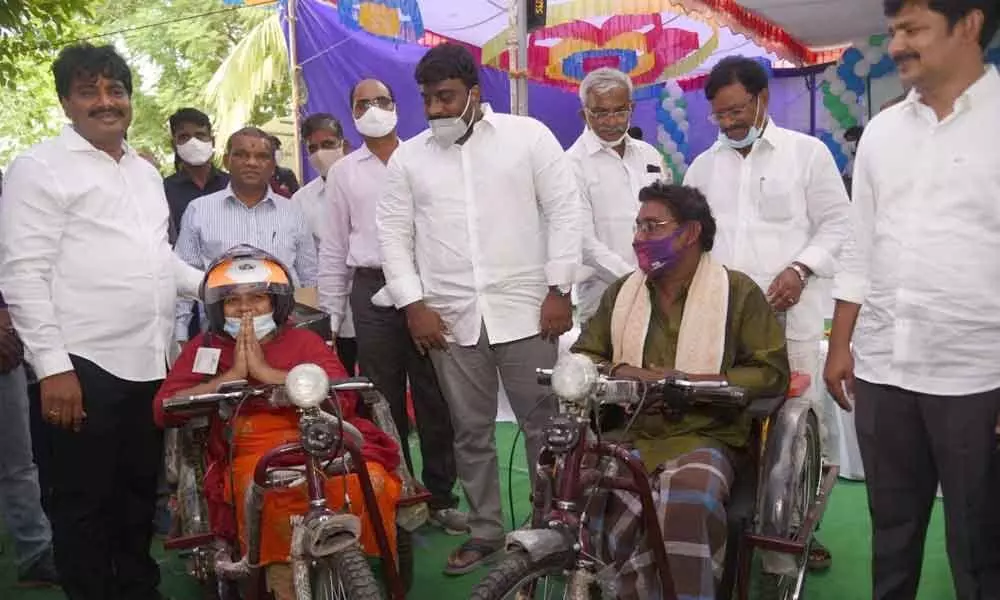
x,y
269,197
592,144
489,117
985,90
771,136
77,143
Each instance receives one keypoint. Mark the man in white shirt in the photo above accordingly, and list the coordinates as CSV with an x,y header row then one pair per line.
x,y
324,138
248,212
91,282
351,266
611,167
920,277
479,228
782,211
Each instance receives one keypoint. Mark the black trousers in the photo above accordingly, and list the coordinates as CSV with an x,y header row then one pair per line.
x,y
909,442
387,356
347,351
103,490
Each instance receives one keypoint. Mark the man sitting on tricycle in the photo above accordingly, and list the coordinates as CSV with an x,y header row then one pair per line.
x,y
248,296
682,314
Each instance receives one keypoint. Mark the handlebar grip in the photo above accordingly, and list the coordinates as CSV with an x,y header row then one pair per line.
x,y
726,396
352,384
183,403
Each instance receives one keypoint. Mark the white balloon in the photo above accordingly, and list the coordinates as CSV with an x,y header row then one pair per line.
x,y
862,69
837,87
670,146
677,114
838,135
683,126
873,55
662,137
849,98
668,104
678,157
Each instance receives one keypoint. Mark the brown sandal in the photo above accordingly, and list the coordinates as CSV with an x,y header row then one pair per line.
x,y
471,555
819,558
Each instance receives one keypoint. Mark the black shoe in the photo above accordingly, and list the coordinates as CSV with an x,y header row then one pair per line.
x,y
41,573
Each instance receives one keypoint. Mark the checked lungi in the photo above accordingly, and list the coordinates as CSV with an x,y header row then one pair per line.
x,y
690,493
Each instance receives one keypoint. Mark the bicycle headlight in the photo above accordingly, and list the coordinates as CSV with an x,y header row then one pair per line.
x,y
574,377
307,385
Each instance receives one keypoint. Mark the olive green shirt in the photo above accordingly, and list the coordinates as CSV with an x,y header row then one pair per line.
x,y
755,357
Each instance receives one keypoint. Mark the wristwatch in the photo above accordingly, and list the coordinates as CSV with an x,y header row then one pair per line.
x,y
560,290
801,272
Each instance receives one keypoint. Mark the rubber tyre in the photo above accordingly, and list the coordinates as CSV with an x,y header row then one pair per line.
x,y
351,569
515,570
769,586
405,557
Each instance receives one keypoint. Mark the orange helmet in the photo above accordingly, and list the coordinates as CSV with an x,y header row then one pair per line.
x,y
245,269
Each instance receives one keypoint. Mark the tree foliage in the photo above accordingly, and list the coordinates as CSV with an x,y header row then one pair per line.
x,y
175,48
30,28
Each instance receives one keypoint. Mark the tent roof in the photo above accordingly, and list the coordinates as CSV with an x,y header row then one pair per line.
x,y
823,23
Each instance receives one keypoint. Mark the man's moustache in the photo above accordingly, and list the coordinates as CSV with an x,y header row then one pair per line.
x,y
898,58
100,113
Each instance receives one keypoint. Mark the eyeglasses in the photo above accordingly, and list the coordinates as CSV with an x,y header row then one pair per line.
x,y
731,114
600,115
650,225
383,102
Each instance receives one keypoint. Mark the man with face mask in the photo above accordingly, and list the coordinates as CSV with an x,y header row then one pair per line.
x,y
247,211
196,175
611,167
783,216
681,314
325,144
480,234
916,328
351,277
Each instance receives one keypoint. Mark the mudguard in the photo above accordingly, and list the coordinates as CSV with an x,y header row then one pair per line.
x,y
539,543
329,534
785,453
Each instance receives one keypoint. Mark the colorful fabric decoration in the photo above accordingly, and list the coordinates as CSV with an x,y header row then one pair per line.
x,y
396,20
637,44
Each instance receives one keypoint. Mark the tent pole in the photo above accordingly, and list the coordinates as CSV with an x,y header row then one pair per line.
x,y
293,57
522,57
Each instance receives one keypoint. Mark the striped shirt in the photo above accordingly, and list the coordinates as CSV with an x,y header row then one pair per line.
x,y
213,224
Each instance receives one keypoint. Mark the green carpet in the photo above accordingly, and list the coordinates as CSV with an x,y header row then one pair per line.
x,y
845,531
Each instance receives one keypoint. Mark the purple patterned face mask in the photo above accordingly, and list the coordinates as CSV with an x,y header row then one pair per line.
x,y
658,256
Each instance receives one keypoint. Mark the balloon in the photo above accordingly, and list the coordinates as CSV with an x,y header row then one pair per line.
x,y
668,104
873,55
678,157
838,136
684,126
862,69
670,146
849,98
837,87
662,137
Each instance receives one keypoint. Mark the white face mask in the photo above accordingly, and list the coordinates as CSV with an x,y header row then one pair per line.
x,y
752,135
447,130
262,325
324,158
376,122
605,143
195,152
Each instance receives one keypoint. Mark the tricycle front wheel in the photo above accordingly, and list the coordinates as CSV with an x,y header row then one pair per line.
x,y
345,575
518,577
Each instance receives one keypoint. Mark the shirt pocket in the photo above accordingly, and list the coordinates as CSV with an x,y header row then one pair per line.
x,y
776,200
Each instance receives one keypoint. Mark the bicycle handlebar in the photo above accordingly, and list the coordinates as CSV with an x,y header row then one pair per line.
x,y
628,392
179,404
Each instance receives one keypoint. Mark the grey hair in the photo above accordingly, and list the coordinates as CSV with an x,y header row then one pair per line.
x,y
604,80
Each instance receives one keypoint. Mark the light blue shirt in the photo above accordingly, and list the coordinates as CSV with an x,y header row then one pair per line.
x,y
213,224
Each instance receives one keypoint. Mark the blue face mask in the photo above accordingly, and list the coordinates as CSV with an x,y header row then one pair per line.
x,y
752,135
262,325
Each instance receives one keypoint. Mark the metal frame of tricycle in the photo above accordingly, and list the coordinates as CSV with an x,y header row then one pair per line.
x,y
294,454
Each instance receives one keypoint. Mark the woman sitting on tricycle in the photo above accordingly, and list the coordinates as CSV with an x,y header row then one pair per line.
x,y
248,296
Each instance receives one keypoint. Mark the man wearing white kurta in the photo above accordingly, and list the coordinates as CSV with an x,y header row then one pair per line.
x,y
91,282
782,212
610,169
479,228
